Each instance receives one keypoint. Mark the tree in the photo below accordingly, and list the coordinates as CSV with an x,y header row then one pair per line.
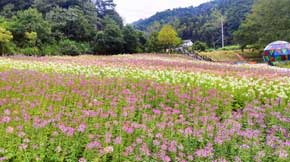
x,y
31,38
168,37
71,23
30,21
141,42
199,46
269,21
109,41
16,4
5,37
131,41
201,23
68,27
105,7
152,43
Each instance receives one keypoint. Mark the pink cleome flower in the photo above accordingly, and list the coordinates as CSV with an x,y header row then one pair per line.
x,y
206,152
82,127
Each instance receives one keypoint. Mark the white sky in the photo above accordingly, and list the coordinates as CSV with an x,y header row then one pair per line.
x,y
133,10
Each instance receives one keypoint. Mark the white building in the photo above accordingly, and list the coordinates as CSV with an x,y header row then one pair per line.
x,y
187,43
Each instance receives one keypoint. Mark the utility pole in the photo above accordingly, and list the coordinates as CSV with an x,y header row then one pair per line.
x,y
223,36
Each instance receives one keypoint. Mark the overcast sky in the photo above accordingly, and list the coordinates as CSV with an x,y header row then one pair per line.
x,y
133,10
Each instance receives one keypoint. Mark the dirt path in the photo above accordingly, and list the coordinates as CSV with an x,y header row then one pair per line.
x,y
241,58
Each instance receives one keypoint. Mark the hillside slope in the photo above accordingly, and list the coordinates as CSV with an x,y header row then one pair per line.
x,y
203,22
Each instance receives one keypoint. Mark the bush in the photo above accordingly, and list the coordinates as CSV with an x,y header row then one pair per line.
x,y
199,46
69,47
51,50
85,48
230,48
8,48
30,51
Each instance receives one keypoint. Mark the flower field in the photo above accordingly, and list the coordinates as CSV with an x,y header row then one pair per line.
x,y
149,108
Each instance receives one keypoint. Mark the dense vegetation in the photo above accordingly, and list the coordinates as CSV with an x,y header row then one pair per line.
x,y
45,27
269,21
142,108
202,23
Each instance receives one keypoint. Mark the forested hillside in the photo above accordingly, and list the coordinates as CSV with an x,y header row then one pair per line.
x,y
202,23
50,27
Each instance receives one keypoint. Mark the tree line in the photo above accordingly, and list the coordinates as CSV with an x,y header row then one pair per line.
x,y
248,23
269,21
73,27
46,27
202,23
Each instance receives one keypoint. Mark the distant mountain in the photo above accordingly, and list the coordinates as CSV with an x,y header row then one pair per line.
x,y
203,22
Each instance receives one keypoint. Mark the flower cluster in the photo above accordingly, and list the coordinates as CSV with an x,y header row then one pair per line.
x,y
53,111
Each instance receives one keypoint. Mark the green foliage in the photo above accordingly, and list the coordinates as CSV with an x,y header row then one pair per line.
x,y
71,23
131,42
69,47
31,37
30,51
30,21
229,48
66,47
168,37
43,24
110,41
199,46
152,44
202,23
5,38
269,21
51,49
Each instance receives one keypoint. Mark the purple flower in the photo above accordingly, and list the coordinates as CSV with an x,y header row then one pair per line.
x,y
188,131
23,146
94,144
6,119
206,152
82,160
118,141
82,127
9,130
165,158
283,154
156,111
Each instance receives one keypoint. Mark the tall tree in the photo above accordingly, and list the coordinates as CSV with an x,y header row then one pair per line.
x,y
200,23
152,43
105,7
5,37
269,21
110,41
30,21
71,23
168,38
131,41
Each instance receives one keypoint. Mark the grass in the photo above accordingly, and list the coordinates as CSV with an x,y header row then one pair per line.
x,y
231,55
283,64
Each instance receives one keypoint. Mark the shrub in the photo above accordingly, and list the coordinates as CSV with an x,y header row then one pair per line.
x,y
199,46
69,47
51,50
229,48
30,51
85,48
9,48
